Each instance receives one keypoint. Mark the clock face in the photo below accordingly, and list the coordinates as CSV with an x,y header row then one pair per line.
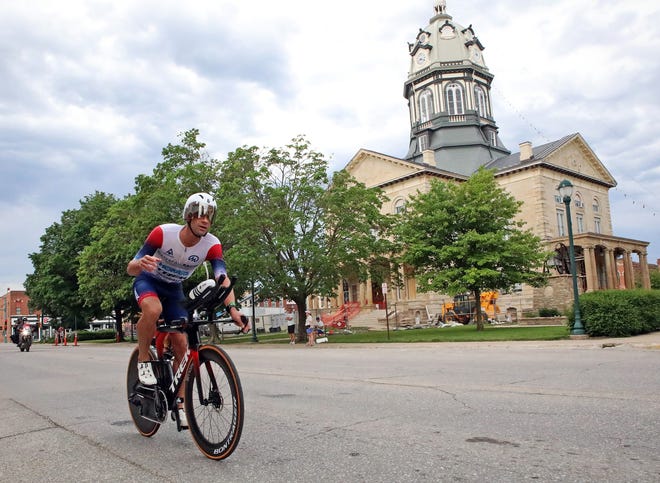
x,y
421,58
476,55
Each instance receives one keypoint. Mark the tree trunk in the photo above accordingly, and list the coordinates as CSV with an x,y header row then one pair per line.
x,y
477,302
119,324
301,334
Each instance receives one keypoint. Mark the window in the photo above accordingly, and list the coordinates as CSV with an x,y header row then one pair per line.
x,y
493,138
580,223
597,225
596,206
480,101
425,105
577,199
423,142
399,206
454,99
560,223
558,199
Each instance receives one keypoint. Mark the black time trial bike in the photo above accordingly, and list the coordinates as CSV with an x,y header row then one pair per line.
x,y
213,396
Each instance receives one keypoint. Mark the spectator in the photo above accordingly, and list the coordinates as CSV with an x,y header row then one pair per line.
x,y
291,325
309,328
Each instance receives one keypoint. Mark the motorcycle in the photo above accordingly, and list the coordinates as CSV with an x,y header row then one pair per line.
x,y
25,339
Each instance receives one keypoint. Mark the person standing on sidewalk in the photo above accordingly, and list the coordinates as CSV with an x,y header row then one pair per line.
x,y
309,328
291,325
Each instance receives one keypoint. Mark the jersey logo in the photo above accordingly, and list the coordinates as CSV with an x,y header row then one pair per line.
x,y
170,252
193,258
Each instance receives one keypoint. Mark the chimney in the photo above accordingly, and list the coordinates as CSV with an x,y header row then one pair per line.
x,y
525,151
428,157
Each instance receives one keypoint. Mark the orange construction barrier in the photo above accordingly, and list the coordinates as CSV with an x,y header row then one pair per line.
x,y
75,339
57,339
64,343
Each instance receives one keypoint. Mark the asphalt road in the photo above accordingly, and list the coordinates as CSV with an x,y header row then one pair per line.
x,y
562,411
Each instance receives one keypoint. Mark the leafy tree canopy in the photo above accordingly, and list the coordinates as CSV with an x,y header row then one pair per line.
x,y
465,238
292,230
53,287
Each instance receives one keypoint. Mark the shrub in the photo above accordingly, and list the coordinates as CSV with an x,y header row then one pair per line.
x,y
546,312
618,313
96,334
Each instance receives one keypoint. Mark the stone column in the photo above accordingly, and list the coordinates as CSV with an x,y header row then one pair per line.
x,y
644,270
590,268
610,268
627,271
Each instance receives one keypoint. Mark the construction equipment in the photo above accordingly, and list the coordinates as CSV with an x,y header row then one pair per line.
x,y
462,308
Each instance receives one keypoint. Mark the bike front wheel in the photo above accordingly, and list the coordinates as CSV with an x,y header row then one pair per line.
x,y
214,403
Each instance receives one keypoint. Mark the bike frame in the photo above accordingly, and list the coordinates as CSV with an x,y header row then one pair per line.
x,y
190,357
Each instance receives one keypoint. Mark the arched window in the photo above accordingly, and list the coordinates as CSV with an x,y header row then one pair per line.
x,y
399,206
596,205
480,101
454,99
425,105
577,200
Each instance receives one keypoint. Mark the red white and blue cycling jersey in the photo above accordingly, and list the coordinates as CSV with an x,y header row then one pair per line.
x,y
178,262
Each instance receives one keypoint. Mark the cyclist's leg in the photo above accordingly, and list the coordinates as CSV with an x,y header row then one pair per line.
x,y
146,326
147,293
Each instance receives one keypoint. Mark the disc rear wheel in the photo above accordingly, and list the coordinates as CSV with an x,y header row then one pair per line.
x,y
214,404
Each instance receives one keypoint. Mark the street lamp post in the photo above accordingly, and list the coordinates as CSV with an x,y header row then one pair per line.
x,y
565,189
254,315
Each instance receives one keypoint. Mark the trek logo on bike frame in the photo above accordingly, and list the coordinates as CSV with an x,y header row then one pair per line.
x,y
179,371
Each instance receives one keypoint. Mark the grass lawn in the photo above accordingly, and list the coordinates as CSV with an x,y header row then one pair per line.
x,y
361,335
466,333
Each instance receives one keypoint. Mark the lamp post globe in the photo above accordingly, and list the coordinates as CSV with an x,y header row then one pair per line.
x,y
565,189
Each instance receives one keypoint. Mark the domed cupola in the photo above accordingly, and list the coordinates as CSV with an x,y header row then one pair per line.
x,y
448,92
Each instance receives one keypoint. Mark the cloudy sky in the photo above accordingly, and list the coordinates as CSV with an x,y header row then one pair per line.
x,y
92,90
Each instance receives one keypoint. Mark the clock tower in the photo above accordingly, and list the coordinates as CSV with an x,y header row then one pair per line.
x,y
448,91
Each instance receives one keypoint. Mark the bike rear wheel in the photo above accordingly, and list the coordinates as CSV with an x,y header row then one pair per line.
x,y
214,403
144,426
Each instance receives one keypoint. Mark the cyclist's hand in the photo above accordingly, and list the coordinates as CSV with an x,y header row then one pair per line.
x,y
149,263
237,316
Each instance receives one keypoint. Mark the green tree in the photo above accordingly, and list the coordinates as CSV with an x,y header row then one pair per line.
x,y
159,198
53,287
465,238
654,274
290,230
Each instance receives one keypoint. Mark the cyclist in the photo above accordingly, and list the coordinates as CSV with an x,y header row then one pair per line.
x,y
170,254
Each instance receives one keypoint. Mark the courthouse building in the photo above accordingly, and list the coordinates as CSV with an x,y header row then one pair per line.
x,y
453,132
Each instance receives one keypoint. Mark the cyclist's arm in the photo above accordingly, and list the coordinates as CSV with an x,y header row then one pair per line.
x,y
220,268
144,259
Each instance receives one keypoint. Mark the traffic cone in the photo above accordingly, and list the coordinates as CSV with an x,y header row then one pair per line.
x,y
75,339
64,343
57,339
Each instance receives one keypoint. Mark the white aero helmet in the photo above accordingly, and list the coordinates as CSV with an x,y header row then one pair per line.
x,y
199,204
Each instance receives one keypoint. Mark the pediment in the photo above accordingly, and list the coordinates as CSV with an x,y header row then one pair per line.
x,y
374,169
576,156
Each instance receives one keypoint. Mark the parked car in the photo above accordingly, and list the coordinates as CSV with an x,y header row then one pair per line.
x,y
228,327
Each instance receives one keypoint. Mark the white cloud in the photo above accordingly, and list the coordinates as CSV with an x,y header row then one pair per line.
x,y
92,90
